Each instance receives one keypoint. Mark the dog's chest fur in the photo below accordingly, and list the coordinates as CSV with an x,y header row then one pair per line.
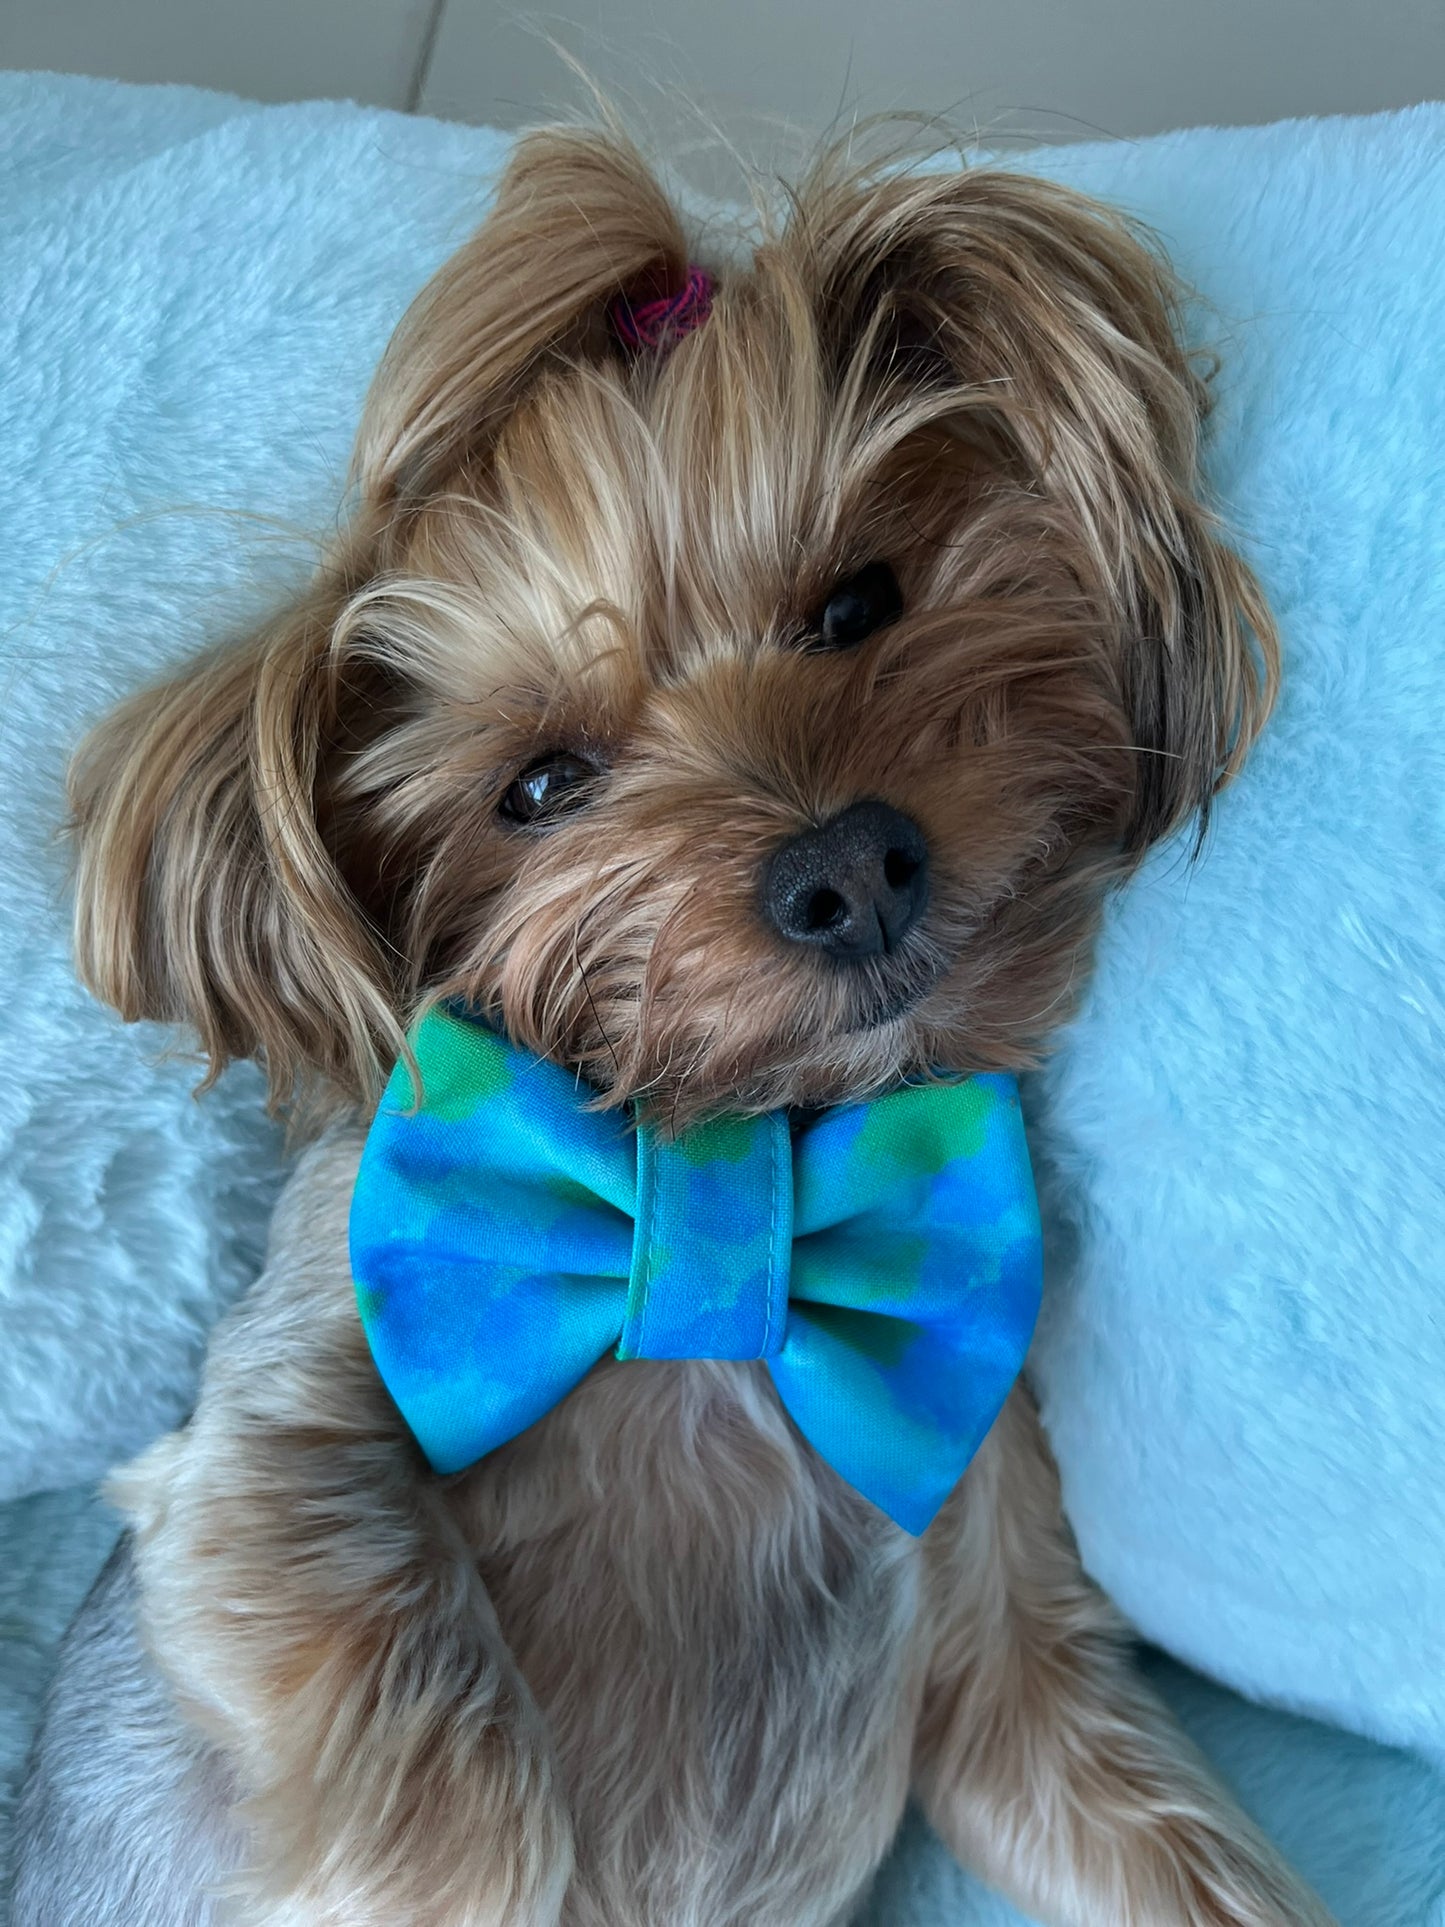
x,y
725,1640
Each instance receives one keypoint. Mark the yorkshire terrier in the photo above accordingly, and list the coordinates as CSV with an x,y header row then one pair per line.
x,y
884,550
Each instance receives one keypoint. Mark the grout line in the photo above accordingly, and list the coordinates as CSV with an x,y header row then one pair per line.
x,y
425,53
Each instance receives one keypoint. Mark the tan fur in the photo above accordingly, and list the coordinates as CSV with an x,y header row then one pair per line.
x,y
652,1665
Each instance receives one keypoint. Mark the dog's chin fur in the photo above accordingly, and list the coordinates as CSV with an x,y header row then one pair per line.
x,y
293,846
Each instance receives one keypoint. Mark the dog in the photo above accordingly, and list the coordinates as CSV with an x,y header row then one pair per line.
x,y
894,522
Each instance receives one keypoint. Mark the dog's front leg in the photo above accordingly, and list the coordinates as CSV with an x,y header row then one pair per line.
x,y
306,1589
1043,1760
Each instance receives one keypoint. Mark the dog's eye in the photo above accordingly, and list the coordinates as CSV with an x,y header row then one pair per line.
x,y
859,604
547,788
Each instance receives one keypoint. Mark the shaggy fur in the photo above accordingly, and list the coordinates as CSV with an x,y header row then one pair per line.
x,y
652,1663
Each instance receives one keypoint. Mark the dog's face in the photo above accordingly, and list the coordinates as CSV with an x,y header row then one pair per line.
x,y
745,724
737,758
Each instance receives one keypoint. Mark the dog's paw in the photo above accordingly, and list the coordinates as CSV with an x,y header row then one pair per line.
x,y
1195,1874
484,1843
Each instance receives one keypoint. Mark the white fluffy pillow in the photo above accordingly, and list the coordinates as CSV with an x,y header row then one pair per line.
x,y
1242,1143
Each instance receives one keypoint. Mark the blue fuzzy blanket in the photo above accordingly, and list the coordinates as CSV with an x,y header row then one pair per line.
x,y
1243,1139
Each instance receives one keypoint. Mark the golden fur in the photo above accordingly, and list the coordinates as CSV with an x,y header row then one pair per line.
x,y
652,1665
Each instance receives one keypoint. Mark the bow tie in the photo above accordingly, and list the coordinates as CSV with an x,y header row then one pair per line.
x,y
883,1258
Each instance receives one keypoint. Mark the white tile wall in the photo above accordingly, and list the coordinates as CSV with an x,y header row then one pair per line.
x,y
1059,68
367,50
1054,67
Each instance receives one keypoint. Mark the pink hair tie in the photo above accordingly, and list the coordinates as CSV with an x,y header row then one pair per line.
x,y
661,323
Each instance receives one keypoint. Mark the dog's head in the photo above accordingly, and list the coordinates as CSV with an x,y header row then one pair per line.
x,y
745,721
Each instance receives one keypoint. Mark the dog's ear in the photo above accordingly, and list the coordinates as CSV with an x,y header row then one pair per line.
x,y
578,219
205,893
1054,326
211,887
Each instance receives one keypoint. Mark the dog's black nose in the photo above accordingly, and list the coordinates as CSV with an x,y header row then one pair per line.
x,y
854,887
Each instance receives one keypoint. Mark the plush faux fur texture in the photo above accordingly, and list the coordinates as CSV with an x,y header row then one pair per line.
x,y
1328,448
198,291
622,569
1243,1139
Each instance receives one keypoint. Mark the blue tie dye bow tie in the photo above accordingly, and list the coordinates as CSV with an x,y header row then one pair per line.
x,y
883,1259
